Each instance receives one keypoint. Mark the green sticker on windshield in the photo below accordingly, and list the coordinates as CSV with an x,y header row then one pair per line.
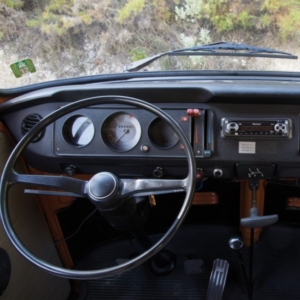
x,y
23,67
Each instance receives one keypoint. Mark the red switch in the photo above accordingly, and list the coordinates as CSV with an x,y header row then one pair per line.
x,y
190,112
193,112
196,112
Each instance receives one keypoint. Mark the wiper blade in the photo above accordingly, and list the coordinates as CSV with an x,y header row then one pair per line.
x,y
234,47
214,49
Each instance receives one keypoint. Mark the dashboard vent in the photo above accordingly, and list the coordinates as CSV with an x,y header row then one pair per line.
x,y
28,123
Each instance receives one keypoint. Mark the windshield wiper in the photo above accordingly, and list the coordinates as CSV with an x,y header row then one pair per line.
x,y
214,49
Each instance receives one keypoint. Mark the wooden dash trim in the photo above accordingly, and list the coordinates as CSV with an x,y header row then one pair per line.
x,y
205,198
293,202
245,205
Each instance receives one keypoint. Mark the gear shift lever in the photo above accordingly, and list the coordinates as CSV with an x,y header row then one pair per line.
x,y
236,244
255,221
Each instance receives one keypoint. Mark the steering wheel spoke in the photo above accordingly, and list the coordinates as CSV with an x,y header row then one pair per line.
x,y
145,187
76,186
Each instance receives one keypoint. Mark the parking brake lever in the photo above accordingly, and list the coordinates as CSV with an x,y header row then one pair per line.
x,y
255,221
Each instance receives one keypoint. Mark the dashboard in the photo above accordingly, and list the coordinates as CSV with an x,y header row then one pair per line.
x,y
229,123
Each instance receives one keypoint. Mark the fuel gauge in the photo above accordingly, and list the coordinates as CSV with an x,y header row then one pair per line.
x,y
78,131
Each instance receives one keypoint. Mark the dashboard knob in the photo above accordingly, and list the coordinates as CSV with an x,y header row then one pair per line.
x,y
232,127
158,173
280,128
218,172
70,170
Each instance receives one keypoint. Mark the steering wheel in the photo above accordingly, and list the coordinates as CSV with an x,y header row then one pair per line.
x,y
124,187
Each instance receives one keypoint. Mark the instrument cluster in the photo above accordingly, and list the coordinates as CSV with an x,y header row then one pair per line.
x,y
100,131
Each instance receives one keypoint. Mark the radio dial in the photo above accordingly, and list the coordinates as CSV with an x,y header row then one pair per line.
x,y
280,128
232,127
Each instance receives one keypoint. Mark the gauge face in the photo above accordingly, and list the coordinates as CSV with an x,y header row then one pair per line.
x,y
121,131
162,135
78,131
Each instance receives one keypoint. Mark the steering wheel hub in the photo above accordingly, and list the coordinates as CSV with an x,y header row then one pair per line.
x,y
102,186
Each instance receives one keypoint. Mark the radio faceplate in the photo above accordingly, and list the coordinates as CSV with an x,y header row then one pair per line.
x,y
256,128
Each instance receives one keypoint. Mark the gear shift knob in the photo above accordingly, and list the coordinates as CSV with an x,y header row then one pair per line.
x,y
236,243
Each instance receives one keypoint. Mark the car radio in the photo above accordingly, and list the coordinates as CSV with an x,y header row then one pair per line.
x,y
258,128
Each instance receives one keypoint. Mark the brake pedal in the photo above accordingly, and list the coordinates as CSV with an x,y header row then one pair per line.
x,y
217,279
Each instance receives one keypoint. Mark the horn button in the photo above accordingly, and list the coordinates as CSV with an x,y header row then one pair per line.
x,y
102,186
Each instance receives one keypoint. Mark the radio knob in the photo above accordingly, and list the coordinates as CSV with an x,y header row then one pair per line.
x,y
232,127
280,128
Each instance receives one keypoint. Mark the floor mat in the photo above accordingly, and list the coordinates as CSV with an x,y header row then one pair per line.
x,y
276,269
277,263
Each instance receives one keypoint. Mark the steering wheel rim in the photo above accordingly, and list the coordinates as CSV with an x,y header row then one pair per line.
x,y
100,273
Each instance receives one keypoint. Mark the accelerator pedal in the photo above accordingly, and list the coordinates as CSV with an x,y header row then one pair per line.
x,y
217,279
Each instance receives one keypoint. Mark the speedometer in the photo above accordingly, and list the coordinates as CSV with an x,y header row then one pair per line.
x,y
121,131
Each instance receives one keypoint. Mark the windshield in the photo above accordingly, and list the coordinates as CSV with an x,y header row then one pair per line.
x,y
54,39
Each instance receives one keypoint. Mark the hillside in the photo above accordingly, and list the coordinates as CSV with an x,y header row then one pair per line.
x,y
68,38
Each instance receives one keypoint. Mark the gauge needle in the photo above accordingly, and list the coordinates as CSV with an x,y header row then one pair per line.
x,y
124,132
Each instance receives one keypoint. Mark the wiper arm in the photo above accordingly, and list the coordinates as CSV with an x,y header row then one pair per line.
x,y
234,47
139,64
214,49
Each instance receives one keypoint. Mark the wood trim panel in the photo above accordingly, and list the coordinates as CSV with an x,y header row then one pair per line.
x,y
49,208
293,203
205,198
4,129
